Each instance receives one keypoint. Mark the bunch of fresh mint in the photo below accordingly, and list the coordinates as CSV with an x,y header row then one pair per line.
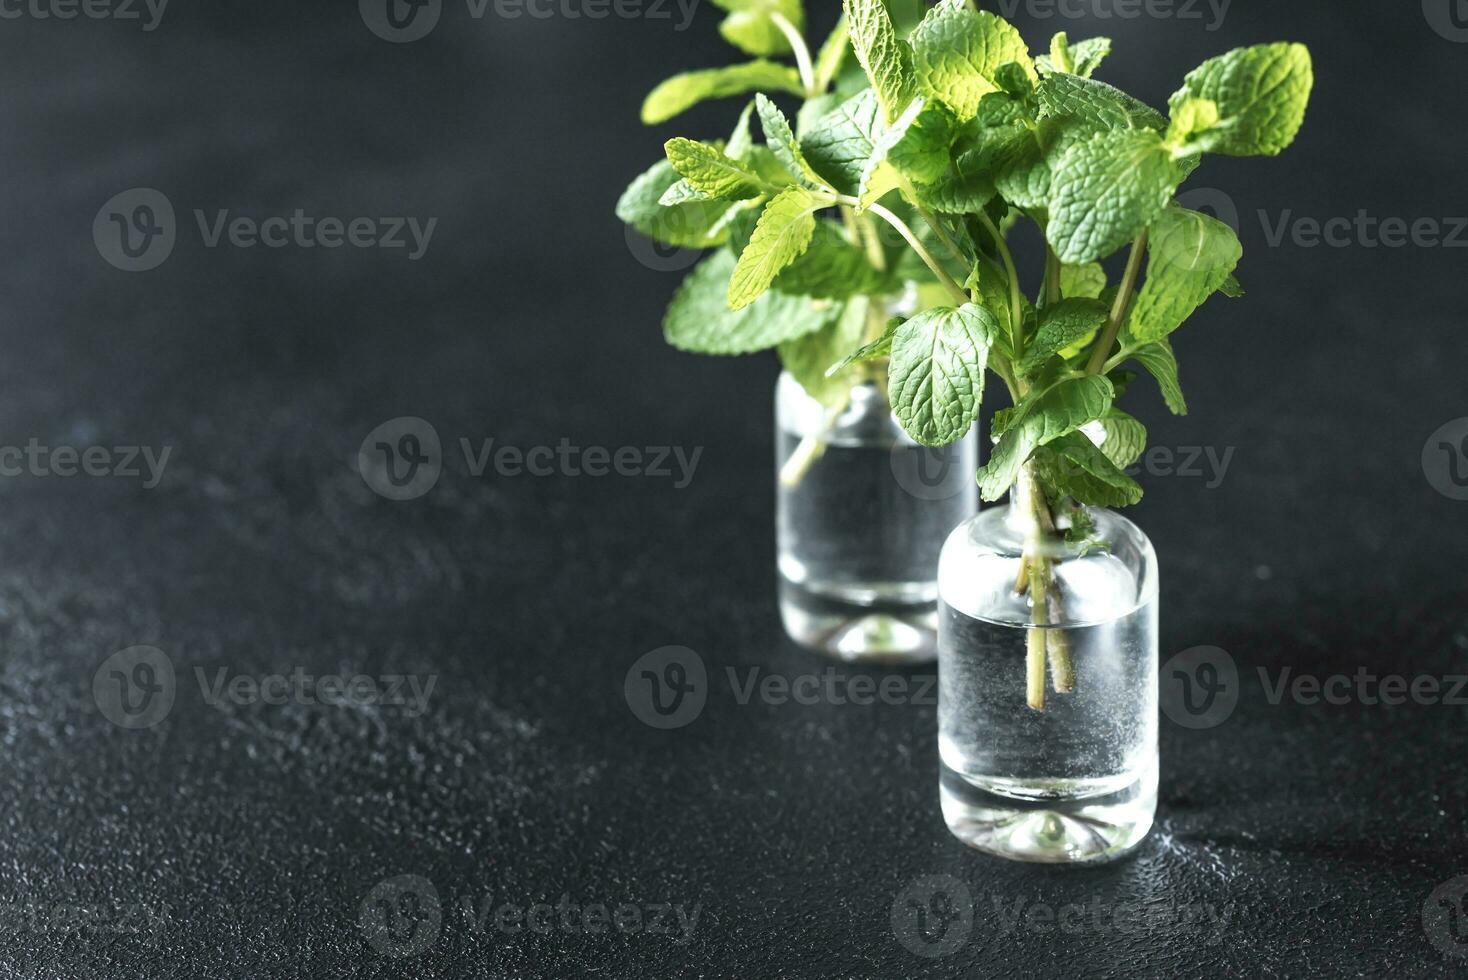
x,y
909,165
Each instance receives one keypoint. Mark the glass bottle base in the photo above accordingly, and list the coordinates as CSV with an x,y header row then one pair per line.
x,y
889,626
1053,821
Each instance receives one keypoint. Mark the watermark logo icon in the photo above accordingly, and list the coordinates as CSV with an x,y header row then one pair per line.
x,y
401,459
1449,18
931,473
1445,917
933,916
400,21
667,687
136,230
401,916
1211,200
135,688
1200,687
1445,459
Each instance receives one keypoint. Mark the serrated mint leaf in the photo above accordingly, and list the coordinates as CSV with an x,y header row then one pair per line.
x,y
1123,438
1074,466
920,151
1042,417
1100,106
831,268
957,53
710,172
1105,190
699,319
1160,362
808,357
1192,118
781,140
691,224
879,176
936,379
1087,55
783,232
1231,288
877,349
740,141
839,143
681,192
886,59
683,92
1261,94
832,55
1082,280
964,187
1190,257
750,28
1060,326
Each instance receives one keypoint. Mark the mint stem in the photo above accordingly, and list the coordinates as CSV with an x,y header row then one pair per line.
x,y
1119,308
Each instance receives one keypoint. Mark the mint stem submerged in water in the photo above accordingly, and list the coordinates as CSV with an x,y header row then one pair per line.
x,y
907,164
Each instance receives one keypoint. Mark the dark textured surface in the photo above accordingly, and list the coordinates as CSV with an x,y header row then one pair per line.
x,y
256,832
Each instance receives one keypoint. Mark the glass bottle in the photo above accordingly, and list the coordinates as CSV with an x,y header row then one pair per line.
x,y
1047,681
862,512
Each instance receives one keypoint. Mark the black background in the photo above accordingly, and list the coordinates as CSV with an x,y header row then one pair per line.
x,y
1320,831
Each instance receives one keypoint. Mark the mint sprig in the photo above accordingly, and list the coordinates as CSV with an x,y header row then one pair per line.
x,y
924,134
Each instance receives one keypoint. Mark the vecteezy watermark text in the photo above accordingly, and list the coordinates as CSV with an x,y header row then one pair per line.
x,y
137,687
404,21
1211,11
403,916
81,918
127,462
403,459
669,687
119,10
138,229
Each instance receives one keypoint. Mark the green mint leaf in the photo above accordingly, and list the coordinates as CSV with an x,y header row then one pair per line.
x,y
1086,281
1190,257
710,172
783,232
1042,417
682,192
839,143
740,141
1160,362
1192,118
749,26
781,140
925,147
1124,438
964,187
683,92
1059,58
876,350
1061,325
832,55
1261,94
691,224
1099,106
886,59
918,145
957,53
831,268
807,357
1087,55
1075,467
1105,190
936,379
699,319
1231,288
